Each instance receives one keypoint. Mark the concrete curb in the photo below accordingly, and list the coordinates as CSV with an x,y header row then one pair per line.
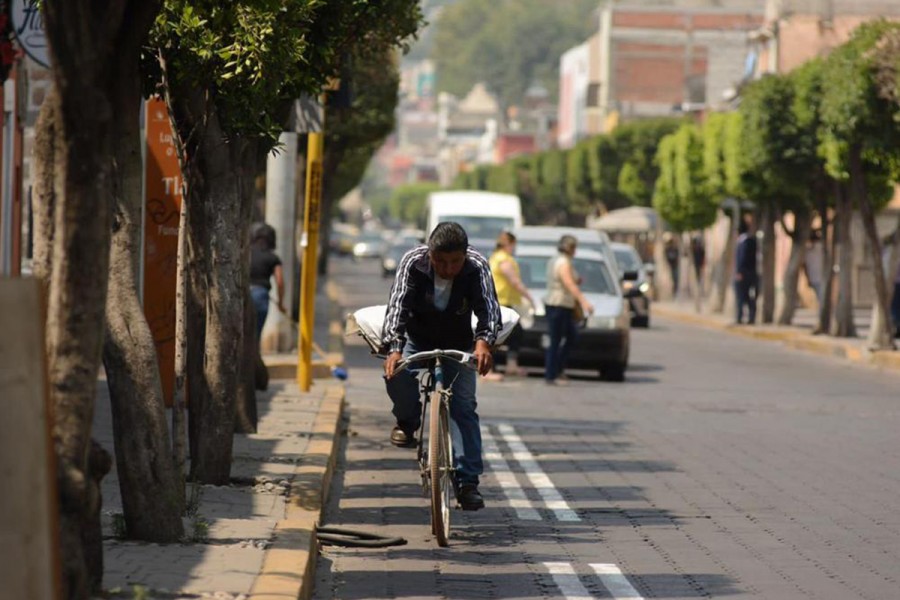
x,y
289,563
852,350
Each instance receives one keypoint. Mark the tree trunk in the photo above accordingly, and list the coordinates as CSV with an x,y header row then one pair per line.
x,y
725,269
768,263
245,405
843,251
829,248
152,500
883,337
800,236
48,149
880,319
215,182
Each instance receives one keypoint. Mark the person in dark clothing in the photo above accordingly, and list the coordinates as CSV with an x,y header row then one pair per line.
x,y
436,290
671,252
746,279
264,264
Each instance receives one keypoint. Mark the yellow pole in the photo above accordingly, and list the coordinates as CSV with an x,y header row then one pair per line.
x,y
310,243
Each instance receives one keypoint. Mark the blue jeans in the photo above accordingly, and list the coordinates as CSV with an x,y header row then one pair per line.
x,y
260,296
745,291
560,326
465,431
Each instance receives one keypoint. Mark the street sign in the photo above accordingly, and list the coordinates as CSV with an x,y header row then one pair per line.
x,y
162,206
28,25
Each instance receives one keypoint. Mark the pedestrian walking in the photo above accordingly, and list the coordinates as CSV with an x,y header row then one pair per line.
x,y
511,292
671,252
264,264
563,297
746,278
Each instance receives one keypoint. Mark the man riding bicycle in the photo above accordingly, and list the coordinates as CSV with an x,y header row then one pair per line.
x,y
435,292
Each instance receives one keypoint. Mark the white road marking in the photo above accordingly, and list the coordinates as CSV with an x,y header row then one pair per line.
x,y
615,581
567,581
514,492
538,478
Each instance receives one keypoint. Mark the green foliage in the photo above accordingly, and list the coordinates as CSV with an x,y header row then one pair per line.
x,y
604,164
578,179
714,153
408,202
255,56
508,44
635,144
353,135
732,153
854,110
503,179
681,196
771,144
633,186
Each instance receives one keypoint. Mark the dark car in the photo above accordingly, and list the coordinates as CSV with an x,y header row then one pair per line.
x,y
399,246
636,287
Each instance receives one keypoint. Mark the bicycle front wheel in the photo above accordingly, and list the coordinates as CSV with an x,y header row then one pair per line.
x,y
440,464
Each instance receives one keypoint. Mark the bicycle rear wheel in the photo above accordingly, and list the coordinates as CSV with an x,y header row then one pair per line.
x,y
440,464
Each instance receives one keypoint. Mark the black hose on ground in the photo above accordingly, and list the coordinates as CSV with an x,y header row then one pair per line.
x,y
352,538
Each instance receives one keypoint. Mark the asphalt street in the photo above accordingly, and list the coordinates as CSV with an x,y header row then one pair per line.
x,y
723,467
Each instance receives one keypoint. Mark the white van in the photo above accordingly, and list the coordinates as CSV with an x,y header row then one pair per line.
x,y
482,214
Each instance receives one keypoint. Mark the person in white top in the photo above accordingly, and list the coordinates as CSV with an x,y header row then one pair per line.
x,y
562,296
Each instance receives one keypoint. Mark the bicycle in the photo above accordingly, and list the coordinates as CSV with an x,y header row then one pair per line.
x,y
436,461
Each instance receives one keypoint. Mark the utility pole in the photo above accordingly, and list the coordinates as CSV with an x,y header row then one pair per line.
x,y
310,245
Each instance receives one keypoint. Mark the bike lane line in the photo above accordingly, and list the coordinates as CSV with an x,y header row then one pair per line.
x,y
567,581
507,480
615,581
552,498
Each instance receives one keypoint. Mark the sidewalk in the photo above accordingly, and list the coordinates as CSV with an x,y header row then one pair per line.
x,y
254,538
799,335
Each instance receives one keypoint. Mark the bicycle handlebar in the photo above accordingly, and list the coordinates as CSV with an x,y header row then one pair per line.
x,y
466,359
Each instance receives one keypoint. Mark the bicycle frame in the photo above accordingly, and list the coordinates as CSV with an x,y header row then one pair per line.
x,y
434,373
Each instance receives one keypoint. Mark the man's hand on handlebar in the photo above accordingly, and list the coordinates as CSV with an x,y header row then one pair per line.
x,y
390,363
484,357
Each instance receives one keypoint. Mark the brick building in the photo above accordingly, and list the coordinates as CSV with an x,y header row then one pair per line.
x,y
664,57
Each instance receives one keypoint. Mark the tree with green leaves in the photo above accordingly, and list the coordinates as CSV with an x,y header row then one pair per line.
x,y
887,76
580,195
860,138
353,133
721,139
770,163
408,202
231,74
508,44
636,143
681,196
78,203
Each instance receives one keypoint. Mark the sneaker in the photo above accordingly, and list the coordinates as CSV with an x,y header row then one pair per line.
x,y
401,438
469,497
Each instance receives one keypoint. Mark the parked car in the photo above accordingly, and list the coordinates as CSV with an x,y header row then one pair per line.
x,y
400,245
588,239
604,338
636,290
369,244
343,236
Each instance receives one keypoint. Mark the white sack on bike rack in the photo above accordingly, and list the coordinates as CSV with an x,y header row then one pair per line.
x,y
369,321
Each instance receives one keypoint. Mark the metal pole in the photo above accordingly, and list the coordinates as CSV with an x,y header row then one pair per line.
x,y
310,244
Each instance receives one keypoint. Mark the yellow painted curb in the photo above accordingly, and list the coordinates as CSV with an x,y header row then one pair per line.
x,y
289,562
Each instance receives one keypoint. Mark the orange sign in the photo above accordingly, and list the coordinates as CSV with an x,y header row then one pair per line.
x,y
162,176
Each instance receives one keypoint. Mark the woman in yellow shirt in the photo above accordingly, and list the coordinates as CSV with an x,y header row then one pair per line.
x,y
510,292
